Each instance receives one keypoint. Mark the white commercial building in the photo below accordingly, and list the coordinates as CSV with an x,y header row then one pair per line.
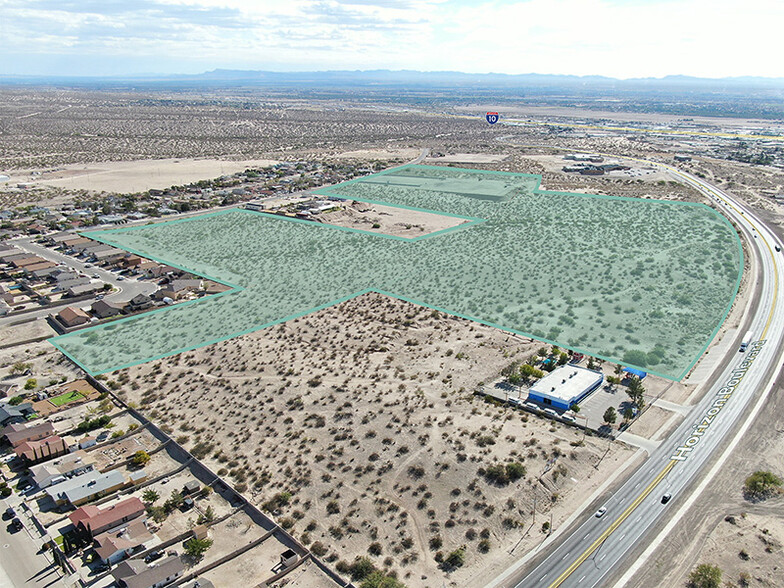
x,y
565,386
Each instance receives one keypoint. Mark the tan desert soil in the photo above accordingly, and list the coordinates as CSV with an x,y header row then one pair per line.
x,y
364,412
136,176
400,222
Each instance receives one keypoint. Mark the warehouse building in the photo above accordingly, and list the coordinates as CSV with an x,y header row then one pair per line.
x,y
565,386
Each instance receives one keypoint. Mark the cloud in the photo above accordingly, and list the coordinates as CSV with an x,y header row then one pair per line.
x,y
629,38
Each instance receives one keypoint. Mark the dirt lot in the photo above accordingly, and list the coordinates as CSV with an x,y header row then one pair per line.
x,y
389,220
364,412
135,176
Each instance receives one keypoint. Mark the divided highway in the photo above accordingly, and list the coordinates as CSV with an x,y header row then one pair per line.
x,y
598,547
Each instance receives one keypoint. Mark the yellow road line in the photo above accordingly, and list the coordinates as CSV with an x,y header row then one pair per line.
x,y
595,545
643,130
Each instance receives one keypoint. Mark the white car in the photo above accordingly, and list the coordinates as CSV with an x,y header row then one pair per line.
x,y
600,513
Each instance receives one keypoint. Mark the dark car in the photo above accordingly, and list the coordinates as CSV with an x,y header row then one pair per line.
x,y
666,498
9,513
153,556
16,524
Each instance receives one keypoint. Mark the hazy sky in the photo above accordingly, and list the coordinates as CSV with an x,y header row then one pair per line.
x,y
619,38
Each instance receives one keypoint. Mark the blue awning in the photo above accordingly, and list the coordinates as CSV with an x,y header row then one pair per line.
x,y
635,372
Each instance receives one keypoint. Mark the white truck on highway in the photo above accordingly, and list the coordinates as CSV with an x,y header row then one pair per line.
x,y
746,341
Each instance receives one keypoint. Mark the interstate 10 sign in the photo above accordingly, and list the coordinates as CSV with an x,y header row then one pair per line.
x,y
492,117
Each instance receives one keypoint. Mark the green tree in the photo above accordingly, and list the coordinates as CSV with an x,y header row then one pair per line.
x,y
575,408
636,391
380,580
16,400
455,559
705,576
157,513
529,372
628,413
31,384
207,516
150,496
761,484
361,568
141,458
174,501
197,547
610,416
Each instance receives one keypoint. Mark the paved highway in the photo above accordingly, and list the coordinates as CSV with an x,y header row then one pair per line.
x,y
597,548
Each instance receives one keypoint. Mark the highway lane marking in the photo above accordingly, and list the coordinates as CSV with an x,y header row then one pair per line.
x,y
616,523
581,579
722,397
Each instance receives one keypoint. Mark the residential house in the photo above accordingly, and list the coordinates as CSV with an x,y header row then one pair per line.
x,y
114,546
103,309
107,255
87,487
71,283
25,259
41,450
19,433
130,261
7,388
59,469
94,520
139,302
29,269
134,573
47,272
72,316
15,414
63,275
84,289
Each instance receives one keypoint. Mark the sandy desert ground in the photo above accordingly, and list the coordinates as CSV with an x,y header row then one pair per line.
x,y
135,176
364,412
389,220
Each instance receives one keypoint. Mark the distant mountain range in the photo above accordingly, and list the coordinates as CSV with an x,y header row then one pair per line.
x,y
383,78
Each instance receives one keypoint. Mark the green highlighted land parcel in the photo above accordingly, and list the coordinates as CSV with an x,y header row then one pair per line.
x,y
642,282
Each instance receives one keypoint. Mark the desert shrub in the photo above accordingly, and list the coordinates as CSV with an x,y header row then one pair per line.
x,y
455,559
319,549
761,484
361,568
705,576
378,579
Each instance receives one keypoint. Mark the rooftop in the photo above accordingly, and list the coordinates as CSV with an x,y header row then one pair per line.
x,y
567,382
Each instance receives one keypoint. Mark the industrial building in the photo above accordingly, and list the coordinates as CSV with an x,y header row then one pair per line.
x,y
565,386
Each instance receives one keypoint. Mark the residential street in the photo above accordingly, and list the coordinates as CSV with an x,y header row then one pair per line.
x,y
21,563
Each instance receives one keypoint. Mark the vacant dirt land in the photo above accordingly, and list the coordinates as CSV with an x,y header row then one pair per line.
x,y
364,412
390,220
136,176
467,158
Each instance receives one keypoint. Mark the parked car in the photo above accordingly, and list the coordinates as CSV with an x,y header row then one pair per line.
x,y
16,524
153,556
96,276
10,513
120,278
